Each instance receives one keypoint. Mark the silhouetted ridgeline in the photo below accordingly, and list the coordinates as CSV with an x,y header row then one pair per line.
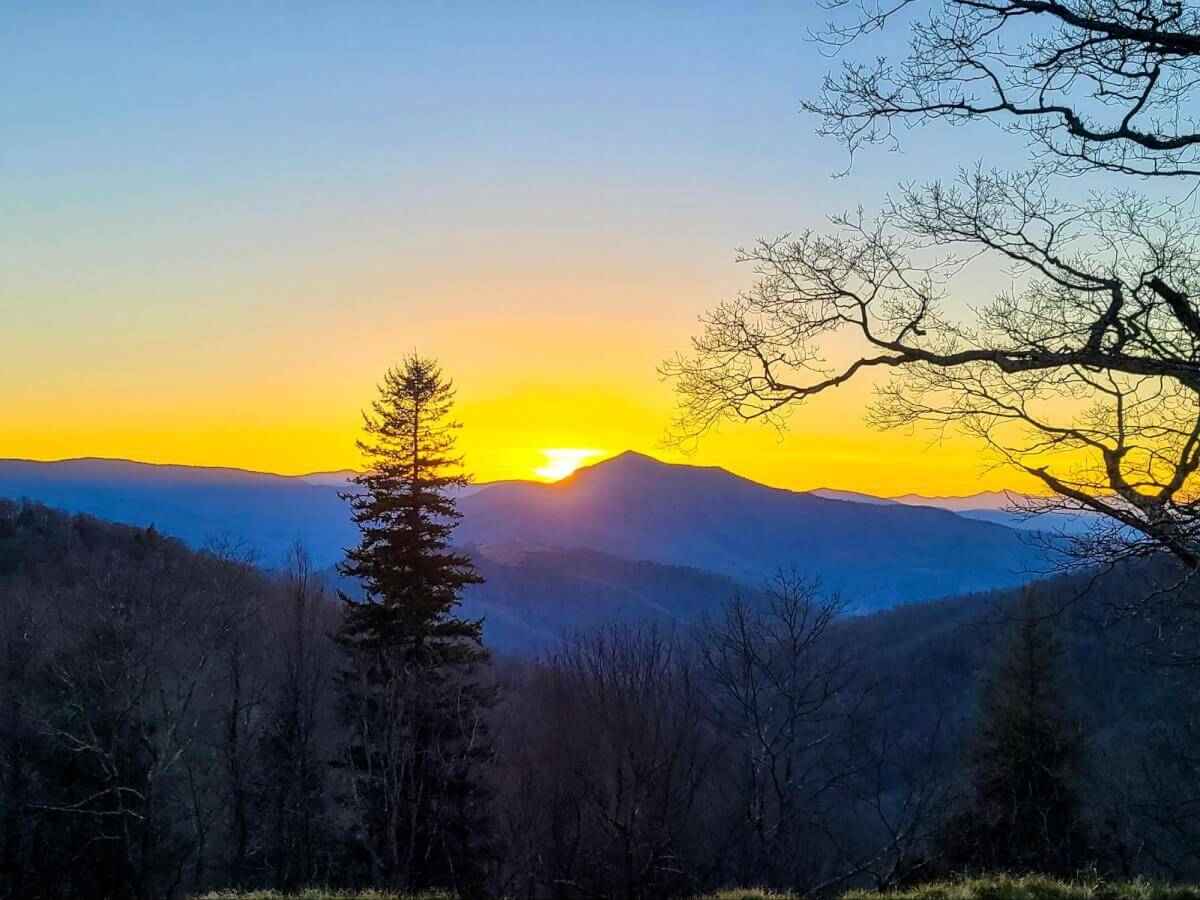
x,y
167,727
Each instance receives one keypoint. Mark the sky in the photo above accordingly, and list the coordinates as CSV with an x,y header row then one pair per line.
x,y
221,223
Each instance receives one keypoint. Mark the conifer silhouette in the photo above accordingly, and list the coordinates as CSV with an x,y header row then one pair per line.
x,y
413,693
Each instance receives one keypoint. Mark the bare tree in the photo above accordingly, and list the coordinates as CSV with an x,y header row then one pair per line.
x,y
783,693
904,790
1091,84
609,766
383,788
20,651
295,737
1164,799
239,593
1084,374
130,668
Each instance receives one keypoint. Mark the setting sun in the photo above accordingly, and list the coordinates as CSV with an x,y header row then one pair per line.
x,y
563,461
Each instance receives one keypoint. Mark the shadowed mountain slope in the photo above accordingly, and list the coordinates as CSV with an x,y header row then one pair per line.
x,y
534,597
267,513
636,507
1007,508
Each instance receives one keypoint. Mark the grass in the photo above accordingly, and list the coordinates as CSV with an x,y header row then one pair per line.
x,y
1034,887
321,894
995,887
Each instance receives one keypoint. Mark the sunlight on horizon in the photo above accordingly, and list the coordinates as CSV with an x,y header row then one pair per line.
x,y
562,461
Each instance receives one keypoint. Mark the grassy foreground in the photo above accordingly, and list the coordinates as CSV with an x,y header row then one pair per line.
x,y
321,894
1035,887
1003,887
1000,887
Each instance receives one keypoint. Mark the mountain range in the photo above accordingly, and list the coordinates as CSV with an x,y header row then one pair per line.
x,y
636,507
1008,508
630,535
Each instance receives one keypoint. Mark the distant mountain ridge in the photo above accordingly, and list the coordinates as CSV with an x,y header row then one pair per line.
x,y
851,497
340,478
268,513
629,507
1001,507
635,507
981,500
1007,508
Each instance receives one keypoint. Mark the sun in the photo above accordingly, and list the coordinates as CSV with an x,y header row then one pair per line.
x,y
562,461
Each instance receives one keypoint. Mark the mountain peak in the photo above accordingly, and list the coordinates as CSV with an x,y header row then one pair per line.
x,y
625,463
1003,499
632,466
634,454
626,459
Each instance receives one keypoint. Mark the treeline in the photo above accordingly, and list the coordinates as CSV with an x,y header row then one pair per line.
x,y
170,723
165,716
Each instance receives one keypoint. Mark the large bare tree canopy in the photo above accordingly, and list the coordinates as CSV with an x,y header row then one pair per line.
x,y
1103,84
1086,374
1084,370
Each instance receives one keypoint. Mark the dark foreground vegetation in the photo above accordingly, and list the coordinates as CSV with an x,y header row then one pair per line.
x,y
172,723
1034,887
1002,887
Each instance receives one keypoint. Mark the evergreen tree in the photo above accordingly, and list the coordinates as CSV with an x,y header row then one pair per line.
x,y
1026,763
413,694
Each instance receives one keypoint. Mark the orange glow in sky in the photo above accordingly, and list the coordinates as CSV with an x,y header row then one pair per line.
x,y
262,386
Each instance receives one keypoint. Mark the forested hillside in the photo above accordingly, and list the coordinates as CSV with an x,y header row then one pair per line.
x,y
534,597
169,723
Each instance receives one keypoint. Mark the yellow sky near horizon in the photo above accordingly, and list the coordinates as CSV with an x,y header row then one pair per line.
x,y
566,357
884,466
296,419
